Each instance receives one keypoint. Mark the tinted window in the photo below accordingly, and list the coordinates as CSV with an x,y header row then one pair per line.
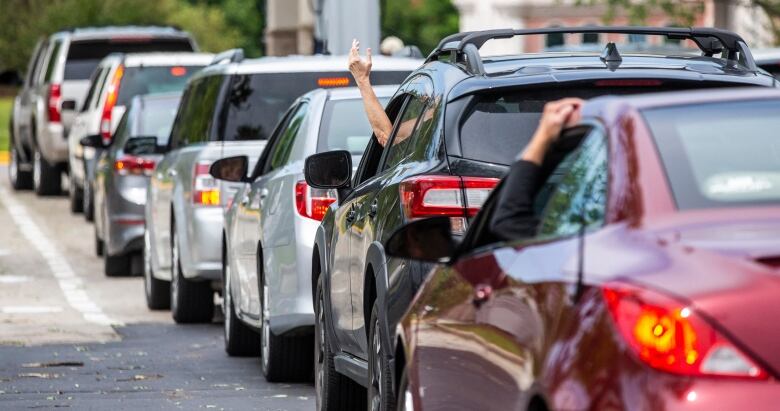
x,y
404,131
52,61
93,89
34,66
258,101
196,114
84,55
284,145
720,155
345,126
150,80
122,132
581,192
772,68
157,115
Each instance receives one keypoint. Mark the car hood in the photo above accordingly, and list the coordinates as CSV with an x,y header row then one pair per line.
x,y
729,270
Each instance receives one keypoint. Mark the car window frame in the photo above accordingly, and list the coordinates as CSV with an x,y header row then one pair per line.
x,y
301,108
259,168
35,63
49,73
394,108
94,88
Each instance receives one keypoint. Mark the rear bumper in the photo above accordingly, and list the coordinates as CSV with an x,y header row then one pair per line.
x,y
201,252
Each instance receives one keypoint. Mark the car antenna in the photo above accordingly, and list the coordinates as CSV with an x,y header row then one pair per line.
x,y
611,56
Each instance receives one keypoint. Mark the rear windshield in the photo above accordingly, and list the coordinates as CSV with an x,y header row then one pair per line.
x,y
345,126
720,155
772,68
150,80
258,101
157,118
496,126
84,55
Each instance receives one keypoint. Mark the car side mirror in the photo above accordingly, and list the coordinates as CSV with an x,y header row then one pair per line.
x,y
329,170
231,169
143,145
429,239
68,105
94,141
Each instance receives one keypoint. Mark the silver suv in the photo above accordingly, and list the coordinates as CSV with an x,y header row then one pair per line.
x,y
228,108
56,84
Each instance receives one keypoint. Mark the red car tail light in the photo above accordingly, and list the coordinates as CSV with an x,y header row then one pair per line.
x,y
312,202
672,337
205,189
453,196
132,165
55,94
111,96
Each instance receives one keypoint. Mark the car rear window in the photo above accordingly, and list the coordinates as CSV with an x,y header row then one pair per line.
x,y
496,126
258,101
84,55
773,68
150,80
720,155
157,118
345,126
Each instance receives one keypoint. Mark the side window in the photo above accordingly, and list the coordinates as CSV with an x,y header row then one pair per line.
x,y
196,114
122,132
180,125
404,130
52,63
33,70
101,86
282,149
369,163
93,88
581,192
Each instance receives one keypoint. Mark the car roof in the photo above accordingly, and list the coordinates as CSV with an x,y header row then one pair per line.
x,y
309,64
678,98
165,58
83,33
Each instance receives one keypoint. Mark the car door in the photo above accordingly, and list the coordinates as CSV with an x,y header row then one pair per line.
x,y
507,305
255,205
376,200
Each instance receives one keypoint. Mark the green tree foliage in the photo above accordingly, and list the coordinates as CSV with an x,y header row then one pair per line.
x,y
420,22
216,25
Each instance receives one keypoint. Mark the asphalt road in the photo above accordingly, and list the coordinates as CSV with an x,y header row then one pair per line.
x,y
72,338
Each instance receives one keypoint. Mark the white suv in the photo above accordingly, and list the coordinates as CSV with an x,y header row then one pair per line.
x,y
56,84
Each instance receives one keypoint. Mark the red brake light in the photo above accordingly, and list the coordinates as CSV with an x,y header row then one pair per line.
x,y
453,196
333,81
205,189
111,96
132,165
55,94
672,337
178,71
312,202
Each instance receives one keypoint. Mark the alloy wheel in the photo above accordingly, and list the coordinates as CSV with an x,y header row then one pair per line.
x,y
319,351
265,336
37,169
376,376
227,303
13,167
147,265
174,271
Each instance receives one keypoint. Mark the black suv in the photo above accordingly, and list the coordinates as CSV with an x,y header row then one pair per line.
x,y
459,122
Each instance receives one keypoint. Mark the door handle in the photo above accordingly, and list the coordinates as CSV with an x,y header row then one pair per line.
x,y
171,172
373,209
351,214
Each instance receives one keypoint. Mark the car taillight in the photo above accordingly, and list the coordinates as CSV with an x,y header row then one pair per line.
x,y
132,165
672,337
111,96
55,94
312,202
205,188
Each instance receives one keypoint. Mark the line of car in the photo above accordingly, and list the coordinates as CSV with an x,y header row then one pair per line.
x,y
374,270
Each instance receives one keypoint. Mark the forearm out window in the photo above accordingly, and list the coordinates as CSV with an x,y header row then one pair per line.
x,y
720,155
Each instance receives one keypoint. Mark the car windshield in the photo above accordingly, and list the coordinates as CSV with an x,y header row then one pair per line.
x,y
345,126
496,126
157,118
84,55
720,155
150,80
258,101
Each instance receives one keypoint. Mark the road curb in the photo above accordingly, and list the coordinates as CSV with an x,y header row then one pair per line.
x,y
3,157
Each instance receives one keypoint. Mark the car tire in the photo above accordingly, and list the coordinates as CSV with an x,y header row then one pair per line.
x,y
405,401
116,265
380,382
191,301
158,292
75,196
88,199
240,340
283,358
99,245
20,179
46,177
334,391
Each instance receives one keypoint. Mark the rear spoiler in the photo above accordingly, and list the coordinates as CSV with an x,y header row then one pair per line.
x,y
463,48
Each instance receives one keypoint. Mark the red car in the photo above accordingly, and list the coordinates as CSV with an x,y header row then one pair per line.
x,y
653,282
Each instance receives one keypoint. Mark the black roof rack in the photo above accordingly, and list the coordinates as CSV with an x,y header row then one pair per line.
x,y
463,48
230,56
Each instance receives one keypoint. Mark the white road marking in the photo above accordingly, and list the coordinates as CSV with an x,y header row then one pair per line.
x,y
30,309
71,284
13,279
